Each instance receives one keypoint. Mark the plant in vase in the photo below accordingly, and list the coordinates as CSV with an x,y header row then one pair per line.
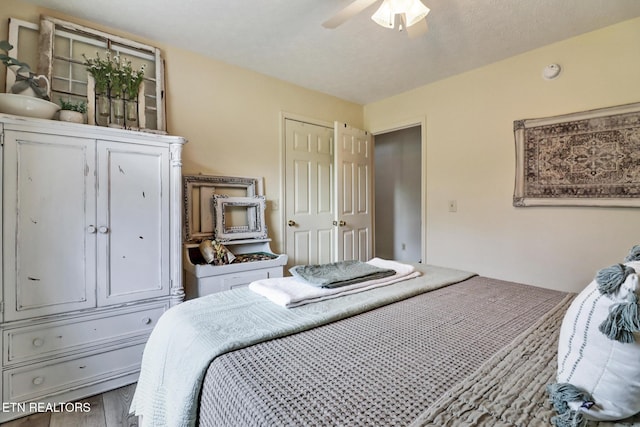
x,y
101,70
133,80
114,80
72,111
118,86
27,82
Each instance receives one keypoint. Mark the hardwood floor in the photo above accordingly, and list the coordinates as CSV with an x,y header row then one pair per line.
x,y
110,409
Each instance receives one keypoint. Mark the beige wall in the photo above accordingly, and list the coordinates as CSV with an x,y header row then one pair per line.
x,y
471,158
230,116
232,119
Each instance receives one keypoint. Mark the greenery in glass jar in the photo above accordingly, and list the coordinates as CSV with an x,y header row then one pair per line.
x,y
118,77
114,76
133,80
101,70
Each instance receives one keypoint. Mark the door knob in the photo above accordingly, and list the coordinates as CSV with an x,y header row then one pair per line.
x,y
291,223
339,223
91,229
103,229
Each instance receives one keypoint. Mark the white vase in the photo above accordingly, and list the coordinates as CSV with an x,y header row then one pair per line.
x,y
71,116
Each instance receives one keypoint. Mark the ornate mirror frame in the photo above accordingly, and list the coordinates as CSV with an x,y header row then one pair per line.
x,y
253,208
198,192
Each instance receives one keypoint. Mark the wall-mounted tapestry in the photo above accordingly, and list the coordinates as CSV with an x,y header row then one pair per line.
x,y
590,158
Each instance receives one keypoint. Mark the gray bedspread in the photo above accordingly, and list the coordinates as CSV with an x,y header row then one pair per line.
x,y
510,388
385,367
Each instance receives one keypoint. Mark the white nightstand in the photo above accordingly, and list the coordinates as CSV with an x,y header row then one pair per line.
x,y
254,258
254,261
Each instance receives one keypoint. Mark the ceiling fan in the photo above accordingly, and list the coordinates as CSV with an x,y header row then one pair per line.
x,y
400,14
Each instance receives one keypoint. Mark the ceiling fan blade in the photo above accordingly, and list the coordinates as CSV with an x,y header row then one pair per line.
x,y
348,12
418,29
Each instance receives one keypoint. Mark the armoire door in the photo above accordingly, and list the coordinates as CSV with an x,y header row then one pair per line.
x,y
309,182
132,222
49,240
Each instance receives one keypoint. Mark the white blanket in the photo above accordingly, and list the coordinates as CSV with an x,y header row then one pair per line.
x,y
293,292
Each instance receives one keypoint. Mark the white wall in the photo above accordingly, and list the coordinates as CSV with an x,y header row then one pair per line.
x,y
470,157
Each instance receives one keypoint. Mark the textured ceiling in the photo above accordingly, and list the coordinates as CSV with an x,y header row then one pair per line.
x,y
358,61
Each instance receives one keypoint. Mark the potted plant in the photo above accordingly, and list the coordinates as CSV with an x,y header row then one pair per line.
x,y
27,82
72,111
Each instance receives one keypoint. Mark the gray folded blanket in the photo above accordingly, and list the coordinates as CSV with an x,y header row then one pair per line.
x,y
339,274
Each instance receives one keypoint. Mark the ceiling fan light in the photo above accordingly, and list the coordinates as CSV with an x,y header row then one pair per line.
x,y
385,15
413,11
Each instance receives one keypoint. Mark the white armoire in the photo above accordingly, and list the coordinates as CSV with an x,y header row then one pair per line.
x,y
91,255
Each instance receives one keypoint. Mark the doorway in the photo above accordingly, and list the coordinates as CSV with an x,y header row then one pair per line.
x,y
398,194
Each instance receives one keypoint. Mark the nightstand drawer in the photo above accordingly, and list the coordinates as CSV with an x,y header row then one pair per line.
x,y
201,286
45,379
57,337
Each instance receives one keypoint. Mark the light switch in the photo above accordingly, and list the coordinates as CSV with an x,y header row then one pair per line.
x,y
453,206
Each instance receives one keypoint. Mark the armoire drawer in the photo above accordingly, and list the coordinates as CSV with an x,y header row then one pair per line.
x,y
45,379
58,337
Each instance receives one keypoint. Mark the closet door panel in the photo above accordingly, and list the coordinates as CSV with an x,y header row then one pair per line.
x,y
354,165
133,222
309,203
49,244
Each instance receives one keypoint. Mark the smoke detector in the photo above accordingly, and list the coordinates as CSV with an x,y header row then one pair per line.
x,y
551,71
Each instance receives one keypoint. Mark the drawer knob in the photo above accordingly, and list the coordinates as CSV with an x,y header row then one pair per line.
x,y
38,342
38,380
146,320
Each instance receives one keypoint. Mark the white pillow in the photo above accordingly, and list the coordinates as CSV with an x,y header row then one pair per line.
x,y
599,350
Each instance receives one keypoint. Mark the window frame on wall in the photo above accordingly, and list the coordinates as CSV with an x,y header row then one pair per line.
x,y
15,27
52,29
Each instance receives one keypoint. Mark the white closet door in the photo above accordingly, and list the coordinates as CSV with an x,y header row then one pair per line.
x,y
309,182
49,224
354,168
133,222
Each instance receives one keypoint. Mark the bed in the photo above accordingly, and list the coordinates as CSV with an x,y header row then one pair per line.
x,y
448,348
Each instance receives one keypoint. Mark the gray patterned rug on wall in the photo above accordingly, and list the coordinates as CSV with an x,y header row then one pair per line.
x,y
590,158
